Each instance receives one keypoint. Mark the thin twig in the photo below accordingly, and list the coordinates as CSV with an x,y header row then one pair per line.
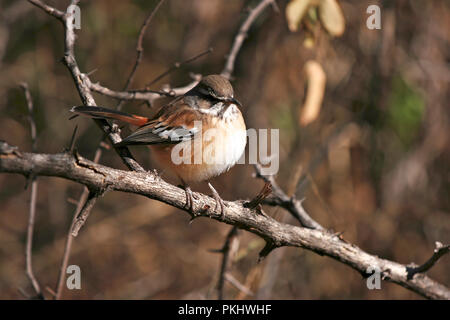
x,y
438,252
33,198
30,107
50,10
242,34
29,246
228,250
72,140
69,239
235,282
65,259
143,95
139,50
176,66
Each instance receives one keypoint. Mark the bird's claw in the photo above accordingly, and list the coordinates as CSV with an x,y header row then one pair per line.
x,y
190,202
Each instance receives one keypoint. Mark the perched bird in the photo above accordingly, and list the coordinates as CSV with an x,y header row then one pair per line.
x,y
198,135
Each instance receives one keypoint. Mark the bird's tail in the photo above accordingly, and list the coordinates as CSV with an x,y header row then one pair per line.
x,y
103,113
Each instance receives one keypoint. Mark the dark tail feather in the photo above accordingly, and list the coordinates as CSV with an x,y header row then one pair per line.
x,y
103,113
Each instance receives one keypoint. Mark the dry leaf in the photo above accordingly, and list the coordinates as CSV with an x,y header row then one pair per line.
x,y
295,11
314,95
332,17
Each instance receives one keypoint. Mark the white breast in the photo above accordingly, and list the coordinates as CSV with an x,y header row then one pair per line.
x,y
223,143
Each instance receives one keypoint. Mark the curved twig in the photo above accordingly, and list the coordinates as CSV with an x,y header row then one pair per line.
x,y
242,34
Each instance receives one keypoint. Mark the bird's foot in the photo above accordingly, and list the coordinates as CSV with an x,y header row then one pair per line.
x,y
220,205
190,201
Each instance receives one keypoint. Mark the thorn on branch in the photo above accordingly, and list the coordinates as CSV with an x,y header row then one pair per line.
x,y
291,204
268,248
439,251
84,214
30,178
7,149
193,217
72,140
264,193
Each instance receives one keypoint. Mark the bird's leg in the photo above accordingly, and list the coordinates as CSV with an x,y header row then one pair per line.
x,y
189,199
219,202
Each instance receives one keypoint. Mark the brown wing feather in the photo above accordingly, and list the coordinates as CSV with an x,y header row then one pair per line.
x,y
172,124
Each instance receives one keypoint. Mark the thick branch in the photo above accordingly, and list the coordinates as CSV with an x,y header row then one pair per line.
x,y
99,178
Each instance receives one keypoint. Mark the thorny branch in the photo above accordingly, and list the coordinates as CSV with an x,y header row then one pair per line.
x,y
80,80
99,178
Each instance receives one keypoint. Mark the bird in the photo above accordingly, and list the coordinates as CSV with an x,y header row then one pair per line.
x,y
197,136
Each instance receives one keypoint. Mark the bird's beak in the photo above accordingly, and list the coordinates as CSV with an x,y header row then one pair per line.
x,y
235,101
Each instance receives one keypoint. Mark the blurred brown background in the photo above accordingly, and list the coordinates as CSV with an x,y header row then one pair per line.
x,y
374,164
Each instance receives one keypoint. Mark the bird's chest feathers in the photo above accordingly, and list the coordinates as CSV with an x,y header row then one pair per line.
x,y
224,138
220,145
